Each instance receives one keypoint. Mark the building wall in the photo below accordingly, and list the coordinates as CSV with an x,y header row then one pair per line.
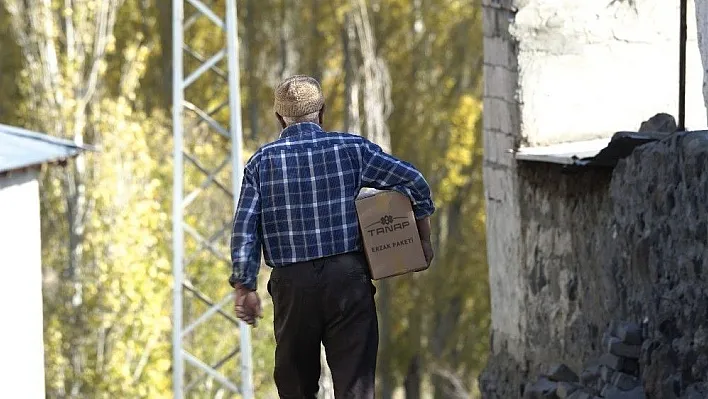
x,y
702,24
658,260
601,246
501,132
21,335
590,68
558,71
564,289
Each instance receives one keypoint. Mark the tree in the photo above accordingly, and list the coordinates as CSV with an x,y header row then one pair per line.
x,y
436,51
97,72
105,314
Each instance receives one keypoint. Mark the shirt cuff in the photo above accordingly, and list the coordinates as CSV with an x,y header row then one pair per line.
x,y
248,282
422,211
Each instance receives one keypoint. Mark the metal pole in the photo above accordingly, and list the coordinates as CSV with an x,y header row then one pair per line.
x,y
177,197
237,164
682,68
210,372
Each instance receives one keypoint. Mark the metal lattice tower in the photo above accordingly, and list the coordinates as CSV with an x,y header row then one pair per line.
x,y
200,366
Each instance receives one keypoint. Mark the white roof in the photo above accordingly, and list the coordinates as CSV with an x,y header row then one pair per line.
x,y
21,148
564,153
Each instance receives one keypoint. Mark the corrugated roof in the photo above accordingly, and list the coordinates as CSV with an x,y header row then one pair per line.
x,y
20,148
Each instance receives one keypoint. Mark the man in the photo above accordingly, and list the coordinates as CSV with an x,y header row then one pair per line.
x,y
297,204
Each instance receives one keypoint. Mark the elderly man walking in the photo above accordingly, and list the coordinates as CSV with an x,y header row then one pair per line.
x,y
297,205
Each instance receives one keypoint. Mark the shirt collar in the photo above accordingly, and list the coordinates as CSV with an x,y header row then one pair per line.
x,y
300,129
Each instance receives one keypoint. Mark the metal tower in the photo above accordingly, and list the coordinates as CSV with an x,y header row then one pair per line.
x,y
198,364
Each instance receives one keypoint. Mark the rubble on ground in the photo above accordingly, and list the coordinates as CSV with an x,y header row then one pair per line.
x,y
614,375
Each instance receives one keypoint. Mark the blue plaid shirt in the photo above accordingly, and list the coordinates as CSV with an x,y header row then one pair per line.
x,y
298,193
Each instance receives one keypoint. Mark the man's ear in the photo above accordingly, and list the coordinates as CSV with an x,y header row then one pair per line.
x,y
281,120
321,114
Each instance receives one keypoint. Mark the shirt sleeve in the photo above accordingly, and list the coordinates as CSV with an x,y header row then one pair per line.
x,y
385,172
245,238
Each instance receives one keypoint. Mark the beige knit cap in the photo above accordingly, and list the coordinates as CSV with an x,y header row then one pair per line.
x,y
298,96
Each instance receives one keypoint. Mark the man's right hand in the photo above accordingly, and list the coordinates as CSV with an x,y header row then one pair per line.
x,y
428,251
247,305
424,232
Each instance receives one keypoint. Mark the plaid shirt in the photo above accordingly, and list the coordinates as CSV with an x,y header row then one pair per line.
x,y
297,197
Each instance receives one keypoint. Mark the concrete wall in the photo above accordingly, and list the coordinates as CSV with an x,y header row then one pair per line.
x,y
590,68
702,24
21,332
502,132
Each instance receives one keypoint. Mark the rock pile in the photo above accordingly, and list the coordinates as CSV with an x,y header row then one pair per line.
x,y
615,375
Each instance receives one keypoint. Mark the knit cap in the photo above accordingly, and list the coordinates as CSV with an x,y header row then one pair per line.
x,y
298,96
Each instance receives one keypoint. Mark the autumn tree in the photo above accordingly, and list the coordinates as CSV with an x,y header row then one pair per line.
x,y
405,73
104,218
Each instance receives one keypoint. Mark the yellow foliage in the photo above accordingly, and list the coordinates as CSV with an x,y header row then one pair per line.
x,y
462,147
125,294
107,325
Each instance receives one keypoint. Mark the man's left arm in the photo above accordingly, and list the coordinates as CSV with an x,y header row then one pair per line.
x,y
245,241
386,172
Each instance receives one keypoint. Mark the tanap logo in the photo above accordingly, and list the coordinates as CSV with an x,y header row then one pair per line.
x,y
387,224
387,219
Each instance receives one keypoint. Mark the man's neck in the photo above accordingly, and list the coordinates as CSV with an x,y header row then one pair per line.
x,y
298,128
300,123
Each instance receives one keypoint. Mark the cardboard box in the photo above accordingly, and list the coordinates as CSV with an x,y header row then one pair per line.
x,y
389,233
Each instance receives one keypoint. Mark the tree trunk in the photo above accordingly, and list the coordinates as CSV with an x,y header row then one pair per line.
x,y
444,324
417,28
315,60
164,21
284,36
377,81
352,121
75,202
377,106
386,384
412,380
251,47
288,55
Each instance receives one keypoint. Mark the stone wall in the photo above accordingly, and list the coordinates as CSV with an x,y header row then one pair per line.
x,y
660,257
558,71
564,240
564,71
627,245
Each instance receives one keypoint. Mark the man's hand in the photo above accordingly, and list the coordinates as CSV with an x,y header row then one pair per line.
x,y
424,231
247,305
428,251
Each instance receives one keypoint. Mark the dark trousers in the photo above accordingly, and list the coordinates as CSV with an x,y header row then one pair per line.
x,y
329,301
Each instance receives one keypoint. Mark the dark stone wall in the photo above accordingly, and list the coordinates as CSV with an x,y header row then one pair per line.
x,y
660,212
566,241
564,222
601,246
